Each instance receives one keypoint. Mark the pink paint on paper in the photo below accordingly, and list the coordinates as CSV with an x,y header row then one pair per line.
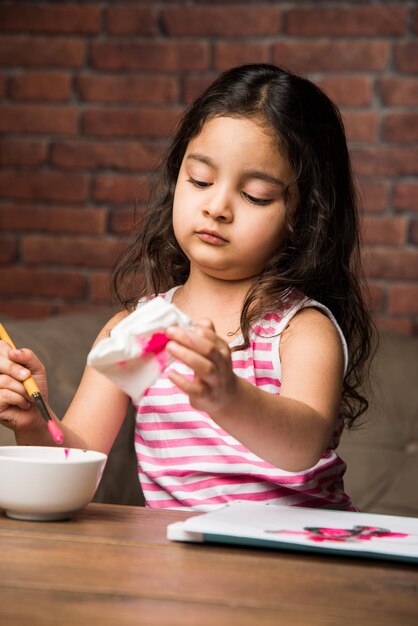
x,y
356,533
66,452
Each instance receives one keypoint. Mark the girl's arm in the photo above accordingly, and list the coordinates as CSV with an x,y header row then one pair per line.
x,y
93,419
290,430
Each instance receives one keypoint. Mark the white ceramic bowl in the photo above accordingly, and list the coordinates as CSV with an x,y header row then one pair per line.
x,y
47,483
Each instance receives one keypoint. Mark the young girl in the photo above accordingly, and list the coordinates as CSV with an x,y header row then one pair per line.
x,y
252,231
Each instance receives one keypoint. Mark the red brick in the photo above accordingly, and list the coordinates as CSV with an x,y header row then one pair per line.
x,y
361,125
56,219
193,86
50,19
124,220
2,85
348,90
415,21
100,287
132,20
125,155
413,235
229,54
8,249
399,90
384,230
43,186
38,118
380,161
401,127
22,152
28,281
391,263
347,21
26,309
376,295
401,326
403,299
80,251
159,56
405,196
406,56
332,55
41,86
128,88
373,194
47,51
143,122
225,20
120,189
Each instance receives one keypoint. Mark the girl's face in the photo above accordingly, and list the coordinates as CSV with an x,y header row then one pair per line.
x,y
229,201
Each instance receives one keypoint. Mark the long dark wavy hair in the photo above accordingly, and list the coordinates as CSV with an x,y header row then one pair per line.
x,y
320,252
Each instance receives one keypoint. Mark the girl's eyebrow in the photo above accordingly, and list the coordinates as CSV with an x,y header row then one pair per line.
x,y
268,178
260,174
201,158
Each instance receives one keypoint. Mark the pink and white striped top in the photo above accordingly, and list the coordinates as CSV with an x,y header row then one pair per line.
x,y
187,461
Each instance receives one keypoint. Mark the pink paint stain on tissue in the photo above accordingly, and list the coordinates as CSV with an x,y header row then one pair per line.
x,y
153,345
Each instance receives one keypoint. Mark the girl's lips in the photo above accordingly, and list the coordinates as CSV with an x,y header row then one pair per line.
x,y
211,236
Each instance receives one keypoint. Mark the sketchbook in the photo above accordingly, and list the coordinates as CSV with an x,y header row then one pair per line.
x,y
301,529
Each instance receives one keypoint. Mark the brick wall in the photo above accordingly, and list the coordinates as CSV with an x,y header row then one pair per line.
x,y
90,91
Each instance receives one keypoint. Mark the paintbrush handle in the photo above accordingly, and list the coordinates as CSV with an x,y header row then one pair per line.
x,y
29,384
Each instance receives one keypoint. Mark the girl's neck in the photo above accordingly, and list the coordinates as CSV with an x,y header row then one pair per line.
x,y
219,301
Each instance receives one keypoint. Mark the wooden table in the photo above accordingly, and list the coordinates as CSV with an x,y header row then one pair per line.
x,y
112,565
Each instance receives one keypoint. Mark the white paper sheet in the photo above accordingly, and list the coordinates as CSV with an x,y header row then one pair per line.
x,y
297,528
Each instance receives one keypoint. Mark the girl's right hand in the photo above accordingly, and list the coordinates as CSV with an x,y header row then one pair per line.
x,y
16,410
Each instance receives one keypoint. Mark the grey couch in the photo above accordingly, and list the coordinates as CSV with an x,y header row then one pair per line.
x,y
381,454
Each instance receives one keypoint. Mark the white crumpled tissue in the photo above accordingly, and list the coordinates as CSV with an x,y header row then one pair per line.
x,y
134,355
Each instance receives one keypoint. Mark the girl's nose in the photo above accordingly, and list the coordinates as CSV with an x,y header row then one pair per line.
x,y
219,207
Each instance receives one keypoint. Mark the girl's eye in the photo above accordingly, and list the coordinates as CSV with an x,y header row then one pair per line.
x,y
258,201
200,184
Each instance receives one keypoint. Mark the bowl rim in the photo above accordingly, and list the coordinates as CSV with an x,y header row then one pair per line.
x,y
97,456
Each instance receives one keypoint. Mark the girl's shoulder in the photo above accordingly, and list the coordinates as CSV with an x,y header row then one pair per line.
x,y
302,312
275,321
110,324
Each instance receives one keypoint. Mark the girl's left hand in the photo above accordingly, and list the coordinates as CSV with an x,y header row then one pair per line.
x,y
214,382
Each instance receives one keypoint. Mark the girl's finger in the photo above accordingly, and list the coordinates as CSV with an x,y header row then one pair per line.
x,y
190,387
182,383
206,323
10,382
196,340
9,397
199,363
13,369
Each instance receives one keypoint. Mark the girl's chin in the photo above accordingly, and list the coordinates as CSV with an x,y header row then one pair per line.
x,y
223,274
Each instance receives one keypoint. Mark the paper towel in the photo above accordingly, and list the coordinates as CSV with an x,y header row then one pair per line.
x,y
133,356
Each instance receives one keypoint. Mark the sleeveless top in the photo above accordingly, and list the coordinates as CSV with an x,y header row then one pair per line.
x,y
187,461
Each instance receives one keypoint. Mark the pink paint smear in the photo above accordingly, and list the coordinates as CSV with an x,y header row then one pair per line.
x,y
357,533
56,433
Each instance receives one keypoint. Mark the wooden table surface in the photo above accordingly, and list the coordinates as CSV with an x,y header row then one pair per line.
x,y
112,565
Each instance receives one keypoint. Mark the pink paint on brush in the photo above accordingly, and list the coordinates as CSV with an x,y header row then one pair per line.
x,y
56,434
